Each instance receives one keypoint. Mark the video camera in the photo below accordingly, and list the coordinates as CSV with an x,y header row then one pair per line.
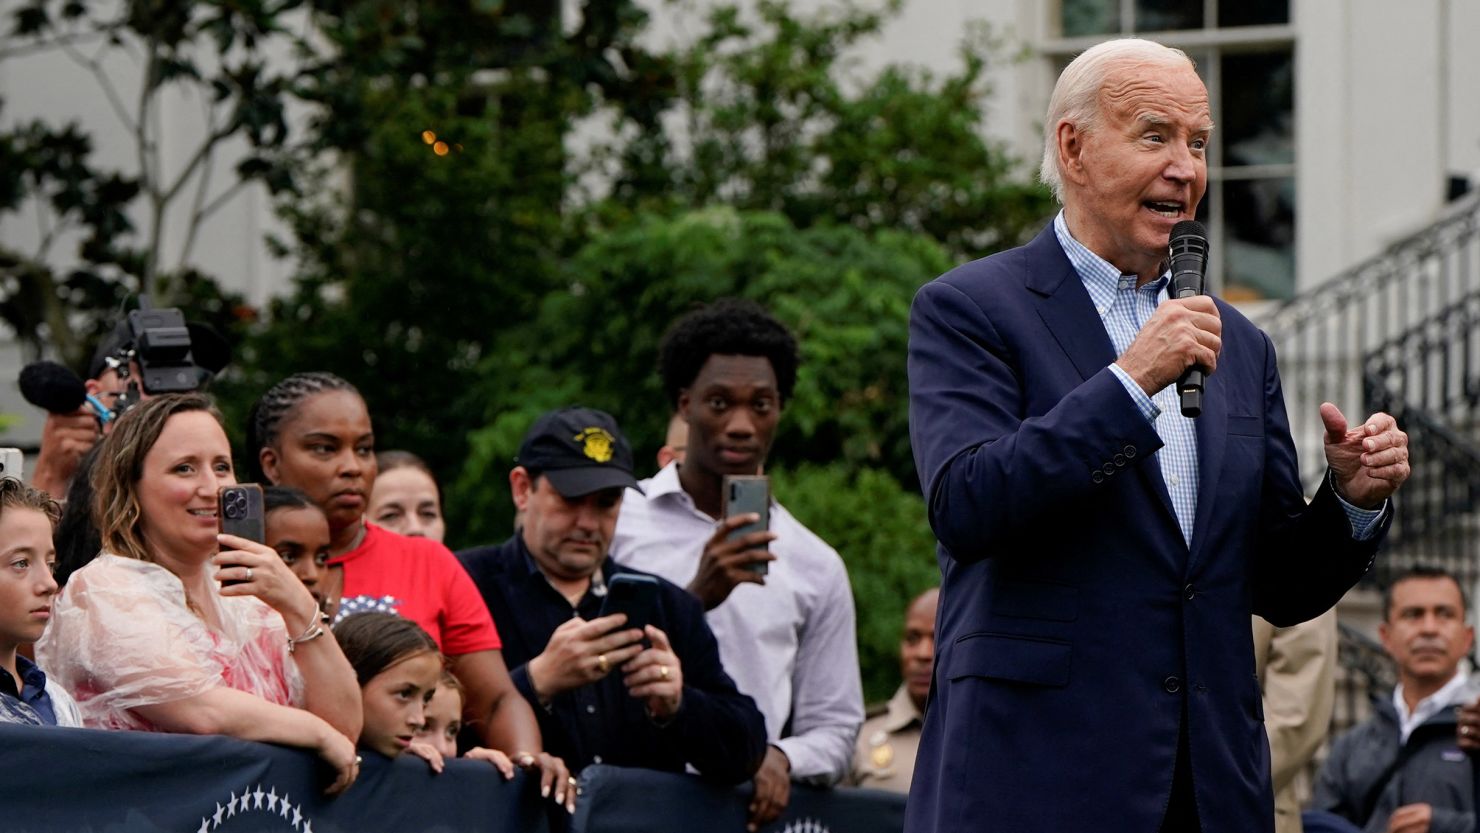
x,y
152,351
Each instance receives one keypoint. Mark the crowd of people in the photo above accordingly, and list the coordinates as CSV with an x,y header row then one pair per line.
x,y
1104,537
350,629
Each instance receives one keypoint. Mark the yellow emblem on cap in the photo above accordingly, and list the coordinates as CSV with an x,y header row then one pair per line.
x,y
597,443
882,756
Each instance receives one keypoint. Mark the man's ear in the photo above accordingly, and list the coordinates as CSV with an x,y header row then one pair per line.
x,y
1071,150
267,458
520,484
683,405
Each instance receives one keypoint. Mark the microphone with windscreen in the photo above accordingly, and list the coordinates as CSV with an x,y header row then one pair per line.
x,y
1189,258
55,388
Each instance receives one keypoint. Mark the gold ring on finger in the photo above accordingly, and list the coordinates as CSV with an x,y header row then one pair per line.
x,y
249,574
663,671
601,663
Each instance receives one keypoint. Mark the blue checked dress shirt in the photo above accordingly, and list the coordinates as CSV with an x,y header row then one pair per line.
x,y
1124,309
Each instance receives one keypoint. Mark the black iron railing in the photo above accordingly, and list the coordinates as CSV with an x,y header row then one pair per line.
x,y
1429,378
1323,335
1367,673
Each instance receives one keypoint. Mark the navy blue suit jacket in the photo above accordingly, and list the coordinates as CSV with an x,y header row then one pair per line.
x,y
1075,624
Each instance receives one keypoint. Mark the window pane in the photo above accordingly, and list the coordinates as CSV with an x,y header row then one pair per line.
x,y
1259,233
1163,15
1253,12
1257,122
1091,17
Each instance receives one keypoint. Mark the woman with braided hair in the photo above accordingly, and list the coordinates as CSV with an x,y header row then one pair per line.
x,y
312,431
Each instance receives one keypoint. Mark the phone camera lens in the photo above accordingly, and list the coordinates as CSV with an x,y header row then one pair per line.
x,y
236,505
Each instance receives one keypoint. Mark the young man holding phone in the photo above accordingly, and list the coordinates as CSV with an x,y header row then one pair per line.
x,y
654,697
779,599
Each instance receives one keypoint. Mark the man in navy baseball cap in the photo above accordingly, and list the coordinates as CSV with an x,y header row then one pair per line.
x,y
623,683
580,451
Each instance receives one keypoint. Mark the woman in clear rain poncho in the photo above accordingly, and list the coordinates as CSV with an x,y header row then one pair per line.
x,y
146,637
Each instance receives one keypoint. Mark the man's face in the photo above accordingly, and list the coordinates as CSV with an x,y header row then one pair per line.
x,y
1143,169
109,386
568,537
1425,631
732,409
917,647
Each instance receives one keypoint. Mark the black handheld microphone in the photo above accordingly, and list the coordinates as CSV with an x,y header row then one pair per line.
x,y
55,388
1189,256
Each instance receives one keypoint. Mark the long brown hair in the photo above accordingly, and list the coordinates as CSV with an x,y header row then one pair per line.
x,y
374,641
115,478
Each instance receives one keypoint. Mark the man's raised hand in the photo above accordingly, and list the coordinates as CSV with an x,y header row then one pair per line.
x,y
1368,461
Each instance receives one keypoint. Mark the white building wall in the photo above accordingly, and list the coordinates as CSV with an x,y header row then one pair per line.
x,y
1369,127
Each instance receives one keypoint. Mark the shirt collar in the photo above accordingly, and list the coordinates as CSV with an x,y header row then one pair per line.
x,y
901,713
1100,278
665,482
1432,704
32,681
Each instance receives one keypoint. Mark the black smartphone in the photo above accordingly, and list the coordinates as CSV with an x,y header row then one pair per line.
x,y
744,494
239,512
634,595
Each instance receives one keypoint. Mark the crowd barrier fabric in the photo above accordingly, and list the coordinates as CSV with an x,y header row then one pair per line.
x,y
616,800
87,781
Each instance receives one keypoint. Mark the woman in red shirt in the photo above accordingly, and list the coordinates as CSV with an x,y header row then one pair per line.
x,y
312,431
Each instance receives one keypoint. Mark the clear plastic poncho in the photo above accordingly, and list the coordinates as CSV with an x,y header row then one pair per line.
x,y
121,637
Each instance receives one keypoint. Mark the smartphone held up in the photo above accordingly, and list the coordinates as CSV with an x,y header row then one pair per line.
x,y
748,495
239,512
634,595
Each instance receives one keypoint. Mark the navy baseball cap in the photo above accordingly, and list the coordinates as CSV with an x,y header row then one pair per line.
x,y
580,450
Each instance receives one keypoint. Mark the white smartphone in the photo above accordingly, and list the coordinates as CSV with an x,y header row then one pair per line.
x,y
11,462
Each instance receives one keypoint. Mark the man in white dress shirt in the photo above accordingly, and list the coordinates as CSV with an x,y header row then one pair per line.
x,y
1401,771
786,635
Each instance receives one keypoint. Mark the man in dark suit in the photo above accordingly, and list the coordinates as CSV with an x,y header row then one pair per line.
x,y
1100,553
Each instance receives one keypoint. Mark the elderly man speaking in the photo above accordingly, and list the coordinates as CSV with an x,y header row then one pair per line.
x,y
1101,553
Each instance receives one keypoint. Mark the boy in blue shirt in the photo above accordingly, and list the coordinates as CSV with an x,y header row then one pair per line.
x,y
27,520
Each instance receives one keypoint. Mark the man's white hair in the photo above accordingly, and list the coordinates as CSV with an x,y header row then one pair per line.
x,y
1076,96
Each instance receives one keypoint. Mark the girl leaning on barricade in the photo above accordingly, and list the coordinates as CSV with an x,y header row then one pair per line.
x,y
175,627
401,676
312,431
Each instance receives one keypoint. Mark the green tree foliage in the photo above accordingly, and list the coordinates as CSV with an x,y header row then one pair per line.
x,y
845,294
879,528
211,52
775,117
436,249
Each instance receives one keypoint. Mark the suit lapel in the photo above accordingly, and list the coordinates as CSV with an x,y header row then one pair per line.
x,y
1212,440
1066,309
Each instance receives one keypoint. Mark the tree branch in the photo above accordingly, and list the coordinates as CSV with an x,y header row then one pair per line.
x,y
55,43
202,187
223,198
109,91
